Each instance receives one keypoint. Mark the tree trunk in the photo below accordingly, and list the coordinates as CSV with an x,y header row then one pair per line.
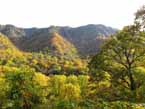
x,y
132,82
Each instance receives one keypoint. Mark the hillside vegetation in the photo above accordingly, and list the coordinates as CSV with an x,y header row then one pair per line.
x,y
84,38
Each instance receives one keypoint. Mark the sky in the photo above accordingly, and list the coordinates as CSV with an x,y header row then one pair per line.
x,y
44,13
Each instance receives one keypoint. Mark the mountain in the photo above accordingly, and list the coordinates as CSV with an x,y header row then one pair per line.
x,y
51,43
84,39
7,49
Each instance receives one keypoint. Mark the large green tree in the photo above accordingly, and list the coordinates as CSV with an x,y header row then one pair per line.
x,y
120,55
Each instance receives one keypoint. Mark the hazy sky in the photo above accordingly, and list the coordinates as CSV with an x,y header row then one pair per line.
x,y
43,13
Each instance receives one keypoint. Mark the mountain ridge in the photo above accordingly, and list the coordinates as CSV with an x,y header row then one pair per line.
x,y
86,39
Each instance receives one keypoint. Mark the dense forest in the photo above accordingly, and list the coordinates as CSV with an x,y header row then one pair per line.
x,y
58,77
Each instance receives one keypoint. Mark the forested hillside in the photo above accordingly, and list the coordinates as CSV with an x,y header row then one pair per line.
x,y
85,39
46,68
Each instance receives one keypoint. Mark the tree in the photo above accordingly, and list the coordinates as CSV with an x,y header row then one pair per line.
x,y
22,92
123,52
140,17
70,95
